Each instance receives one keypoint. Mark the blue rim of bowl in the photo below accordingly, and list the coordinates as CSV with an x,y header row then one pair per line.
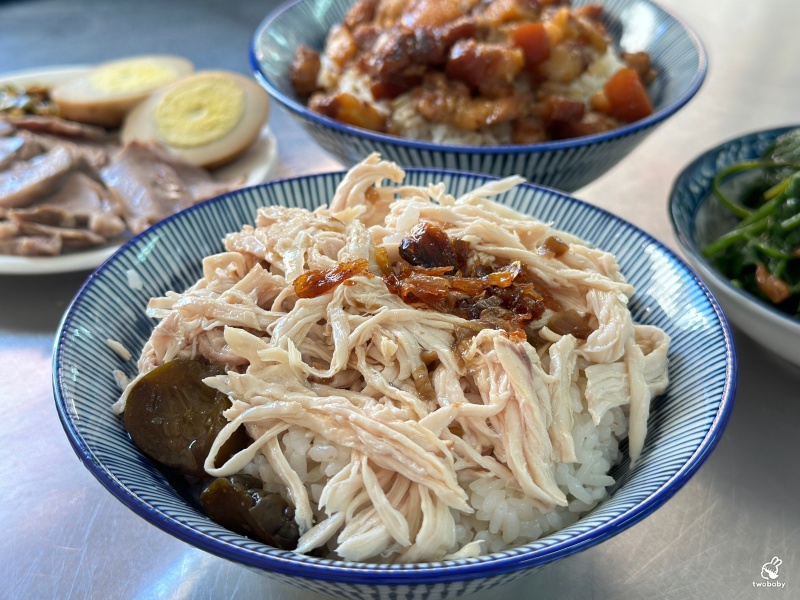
x,y
686,238
629,129
415,573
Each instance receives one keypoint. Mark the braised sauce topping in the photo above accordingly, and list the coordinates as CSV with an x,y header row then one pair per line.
x,y
429,246
445,275
570,322
315,283
554,245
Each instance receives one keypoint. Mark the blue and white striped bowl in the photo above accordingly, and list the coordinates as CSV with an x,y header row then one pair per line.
x,y
685,423
697,221
635,25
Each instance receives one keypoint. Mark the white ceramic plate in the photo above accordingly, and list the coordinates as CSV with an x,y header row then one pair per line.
x,y
252,167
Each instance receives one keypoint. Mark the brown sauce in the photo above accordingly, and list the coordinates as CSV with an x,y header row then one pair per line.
x,y
443,274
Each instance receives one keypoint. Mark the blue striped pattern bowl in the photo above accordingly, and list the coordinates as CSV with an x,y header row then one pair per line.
x,y
685,423
697,220
676,51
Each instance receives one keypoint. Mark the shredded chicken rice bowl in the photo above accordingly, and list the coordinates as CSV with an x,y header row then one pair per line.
x,y
410,376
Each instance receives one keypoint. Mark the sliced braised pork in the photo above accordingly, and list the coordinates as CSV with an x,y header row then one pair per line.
x,y
60,127
81,202
6,128
31,245
196,179
71,237
9,146
152,188
25,181
65,185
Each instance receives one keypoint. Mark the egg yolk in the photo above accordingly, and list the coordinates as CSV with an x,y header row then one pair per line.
x,y
199,111
131,77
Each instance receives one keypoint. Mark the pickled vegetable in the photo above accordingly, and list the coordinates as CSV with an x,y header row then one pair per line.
x,y
240,504
19,101
173,417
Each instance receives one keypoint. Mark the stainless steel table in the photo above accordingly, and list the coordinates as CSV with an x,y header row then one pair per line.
x,y
63,536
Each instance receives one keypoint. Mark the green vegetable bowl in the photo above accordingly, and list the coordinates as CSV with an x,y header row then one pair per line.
x,y
735,211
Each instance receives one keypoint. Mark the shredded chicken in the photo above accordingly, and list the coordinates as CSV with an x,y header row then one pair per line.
x,y
419,407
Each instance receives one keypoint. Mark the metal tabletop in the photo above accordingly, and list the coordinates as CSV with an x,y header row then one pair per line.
x,y
62,535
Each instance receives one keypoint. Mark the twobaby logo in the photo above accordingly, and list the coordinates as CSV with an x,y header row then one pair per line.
x,y
769,572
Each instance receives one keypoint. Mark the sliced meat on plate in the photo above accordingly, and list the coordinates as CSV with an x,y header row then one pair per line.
x,y
93,153
60,127
149,188
31,246
152,186
6,128
200,183
9,146
80,202
71,238
25,181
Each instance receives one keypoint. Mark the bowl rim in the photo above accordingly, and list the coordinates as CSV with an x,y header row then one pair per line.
x,y
686,239
488,565
555,145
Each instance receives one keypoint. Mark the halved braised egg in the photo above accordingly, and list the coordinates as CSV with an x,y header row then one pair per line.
x,y
207,119
106,93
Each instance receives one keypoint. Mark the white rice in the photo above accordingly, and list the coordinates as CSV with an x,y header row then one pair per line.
x,y
135,281
119,349
594,78
121,379
503,518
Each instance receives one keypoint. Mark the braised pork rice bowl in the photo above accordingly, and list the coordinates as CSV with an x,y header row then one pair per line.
x,y
482,73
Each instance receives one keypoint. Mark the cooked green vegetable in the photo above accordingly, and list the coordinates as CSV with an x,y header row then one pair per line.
x,y
762,253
